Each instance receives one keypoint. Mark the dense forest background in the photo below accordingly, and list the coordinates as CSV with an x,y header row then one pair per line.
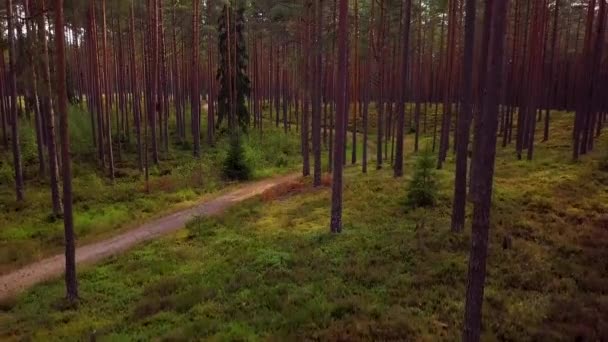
x,y
114,111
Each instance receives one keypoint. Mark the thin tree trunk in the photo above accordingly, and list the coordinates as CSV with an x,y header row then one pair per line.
x,y
355,87
153,111
317,88
51,143
337,186
3,105
464,122
12,86
380,102
407,9
418,86
194,96
551,81
365,115
68,222
306,99
107,90
446,122
135,92
31,50
163,83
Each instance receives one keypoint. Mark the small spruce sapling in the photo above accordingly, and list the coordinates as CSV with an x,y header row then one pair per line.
x,y
235,166
423,190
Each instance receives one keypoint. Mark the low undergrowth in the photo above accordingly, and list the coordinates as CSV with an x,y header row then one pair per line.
x,y
28,231
270,270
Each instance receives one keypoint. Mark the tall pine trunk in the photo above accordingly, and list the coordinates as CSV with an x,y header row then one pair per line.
x,y
483,163
135,93
68,220
380,101
464,122
12,86
341,114
407,9
107,90
552,84
39,127
317,88
51,143
194,74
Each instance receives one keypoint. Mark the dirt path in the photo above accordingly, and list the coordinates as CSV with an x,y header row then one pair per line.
x,y
20,280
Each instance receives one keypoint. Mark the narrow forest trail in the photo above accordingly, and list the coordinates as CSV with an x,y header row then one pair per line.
x,y
20,280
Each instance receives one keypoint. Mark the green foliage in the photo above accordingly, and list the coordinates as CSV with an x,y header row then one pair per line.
x,y
235,166
272,152
283,11
237,78
271,270
101,207
423,189
81,141
7,174
27,138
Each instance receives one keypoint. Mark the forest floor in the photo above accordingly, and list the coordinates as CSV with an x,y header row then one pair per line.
x,y
21,279
102,208
268,269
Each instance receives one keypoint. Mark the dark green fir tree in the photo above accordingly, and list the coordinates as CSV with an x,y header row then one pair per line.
x,y
232,72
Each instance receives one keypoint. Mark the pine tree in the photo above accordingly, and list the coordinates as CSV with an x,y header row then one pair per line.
x,y
407,5
195,94
62,107
12,86
341,114
464,122
483,164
